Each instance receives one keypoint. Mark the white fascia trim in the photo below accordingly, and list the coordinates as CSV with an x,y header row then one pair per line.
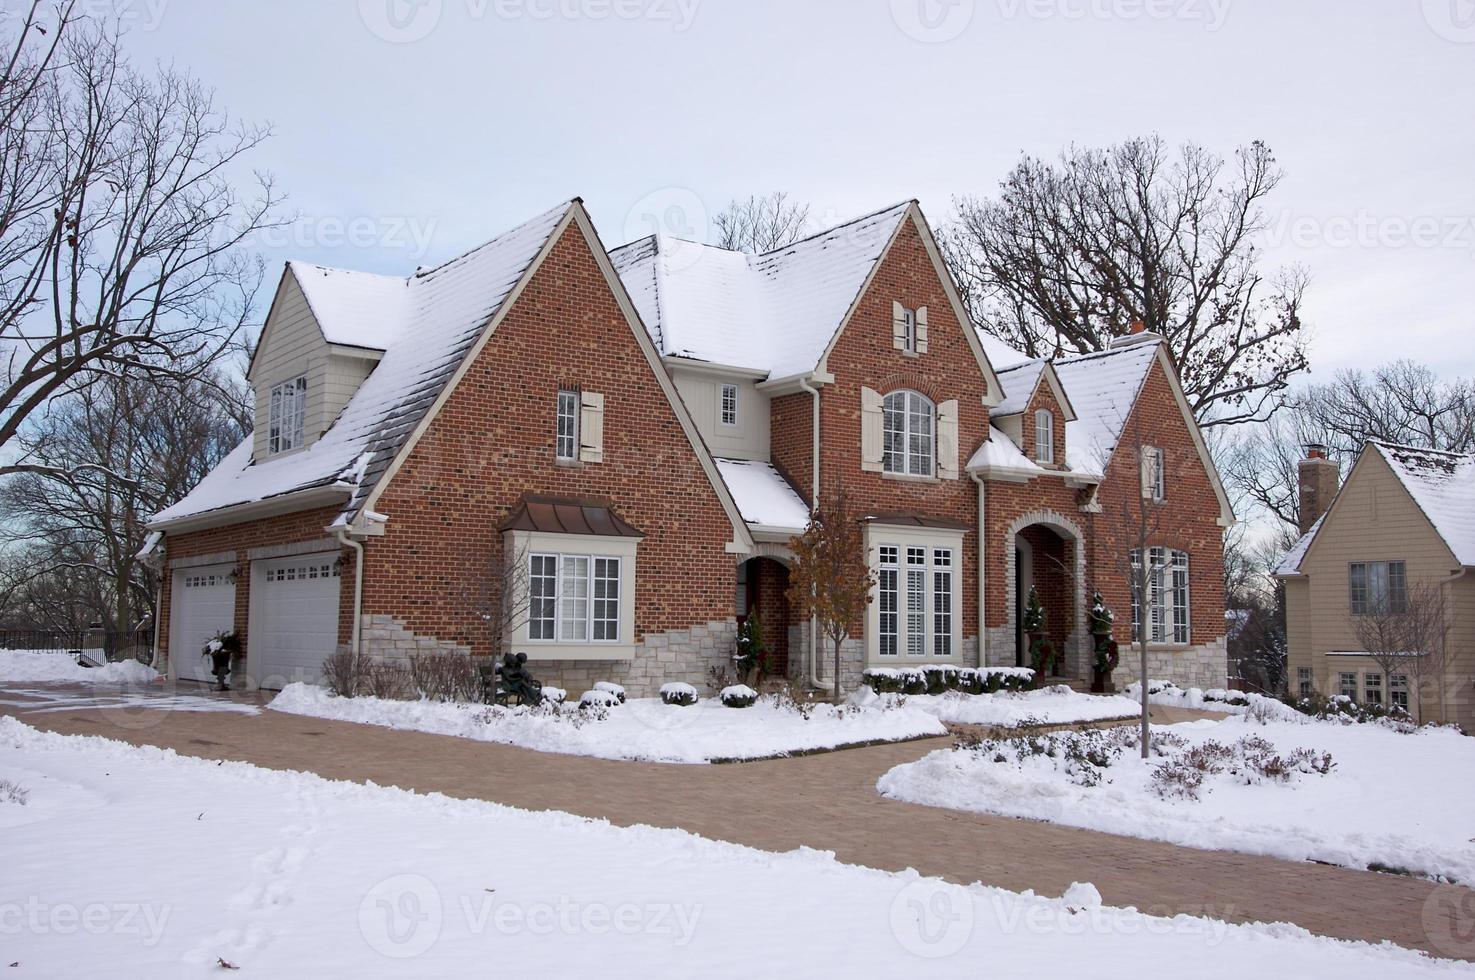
x,y
1226,509
677,363
286,503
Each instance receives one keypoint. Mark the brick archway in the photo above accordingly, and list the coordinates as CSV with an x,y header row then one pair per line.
x,y
1069,635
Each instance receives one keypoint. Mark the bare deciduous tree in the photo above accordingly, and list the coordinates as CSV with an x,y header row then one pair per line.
x,y
1408,634
1070,254
831,578
761,224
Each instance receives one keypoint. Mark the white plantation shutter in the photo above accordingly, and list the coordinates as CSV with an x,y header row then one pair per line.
x,y
947,440
898,326
591,427
872,422
921,330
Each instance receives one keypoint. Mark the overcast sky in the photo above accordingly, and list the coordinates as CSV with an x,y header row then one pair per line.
x,y
409,130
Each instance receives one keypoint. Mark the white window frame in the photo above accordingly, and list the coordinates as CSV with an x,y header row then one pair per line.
x,y
890,625
727,405
566,550
914,407
287,416
1303,681
1372,687
566,443
1170,597
1347,684
1368,598
1044,436
1157,475
1398,691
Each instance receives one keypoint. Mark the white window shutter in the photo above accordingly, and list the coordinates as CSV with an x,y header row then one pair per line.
x,y
591,427
947,440
898,326
921,330
872,422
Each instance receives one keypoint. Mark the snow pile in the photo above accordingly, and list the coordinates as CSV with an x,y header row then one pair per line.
x,y
1052,706
643,728
1169,695
292,896
56,667
1389,801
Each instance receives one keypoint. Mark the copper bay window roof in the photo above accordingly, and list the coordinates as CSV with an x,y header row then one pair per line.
x,y
555,516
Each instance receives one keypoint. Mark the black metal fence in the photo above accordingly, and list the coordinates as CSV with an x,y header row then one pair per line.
x,y
97,645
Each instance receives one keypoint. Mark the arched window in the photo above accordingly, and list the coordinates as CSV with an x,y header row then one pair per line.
x,y
910,434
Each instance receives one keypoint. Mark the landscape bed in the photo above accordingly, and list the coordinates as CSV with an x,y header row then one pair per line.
x,y
285,874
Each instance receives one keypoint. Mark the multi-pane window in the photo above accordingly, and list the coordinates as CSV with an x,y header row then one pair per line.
x,y
1044,436
1372,686
1376,588
909,434
568,425
1303,681
728,407
1347,685
573,598
1398,690
915,594
909,318
1167,596
288,413
1154,474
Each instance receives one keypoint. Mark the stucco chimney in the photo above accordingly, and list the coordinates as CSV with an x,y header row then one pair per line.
x,y
1320,479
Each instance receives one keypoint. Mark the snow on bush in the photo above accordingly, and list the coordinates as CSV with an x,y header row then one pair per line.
x,y
936,679
1057,705
55,666
679,693
738,696
1335,709
598,699
611,688
554,695
12,792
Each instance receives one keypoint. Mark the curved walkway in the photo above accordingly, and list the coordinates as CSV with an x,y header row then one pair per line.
x,y
826,801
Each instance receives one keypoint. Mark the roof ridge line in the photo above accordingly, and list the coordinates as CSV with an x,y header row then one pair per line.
x,y
831,229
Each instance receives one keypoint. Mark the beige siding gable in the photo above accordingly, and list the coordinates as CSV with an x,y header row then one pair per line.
x,y
292,345
1374,519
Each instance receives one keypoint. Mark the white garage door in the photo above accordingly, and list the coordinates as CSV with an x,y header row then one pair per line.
x,y
294,619
204,605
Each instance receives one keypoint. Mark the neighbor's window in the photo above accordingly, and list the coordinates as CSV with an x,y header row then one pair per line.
x,y
573,598
1167,596
729,404
1303,680
914,586
288,413
1376,588
1347,685
1398,690
568,425
910,434
1044,436
1372,685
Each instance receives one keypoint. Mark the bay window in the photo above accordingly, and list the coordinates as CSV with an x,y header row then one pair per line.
x,y
573,595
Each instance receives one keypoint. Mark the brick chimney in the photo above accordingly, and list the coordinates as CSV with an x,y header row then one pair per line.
x,y
1320,479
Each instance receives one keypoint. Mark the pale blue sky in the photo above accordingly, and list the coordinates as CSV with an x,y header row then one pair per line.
x,y
400,153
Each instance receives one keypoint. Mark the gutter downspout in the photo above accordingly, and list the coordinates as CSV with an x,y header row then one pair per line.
x,y
982,566
358,588
814,508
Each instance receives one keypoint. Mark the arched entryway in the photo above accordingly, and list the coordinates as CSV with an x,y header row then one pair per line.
x,y
762,589
1048,556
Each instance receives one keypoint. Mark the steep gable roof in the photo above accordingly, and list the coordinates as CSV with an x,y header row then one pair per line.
x,y
1021,381
1443,485
1103,387
355,309
440,316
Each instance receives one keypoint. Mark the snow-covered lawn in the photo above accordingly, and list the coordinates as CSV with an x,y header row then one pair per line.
x,y
54,666
643,729
1399,800
1052,706
287,875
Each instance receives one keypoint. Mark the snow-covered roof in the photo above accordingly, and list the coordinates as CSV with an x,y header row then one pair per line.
x,y
1019,381
1291,563
775,312
764,498
1102,387
1000,354
357,309
442,313
998,452
1443,485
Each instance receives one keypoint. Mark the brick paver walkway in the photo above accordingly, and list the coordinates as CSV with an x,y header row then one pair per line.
x,y
827,801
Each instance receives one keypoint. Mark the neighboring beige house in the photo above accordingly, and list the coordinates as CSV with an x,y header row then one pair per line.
x,y
1405,516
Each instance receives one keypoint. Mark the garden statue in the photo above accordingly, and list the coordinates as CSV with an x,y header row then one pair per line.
x,y
221,649
514,681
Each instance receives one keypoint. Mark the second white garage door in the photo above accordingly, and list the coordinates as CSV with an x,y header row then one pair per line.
x,y
294,619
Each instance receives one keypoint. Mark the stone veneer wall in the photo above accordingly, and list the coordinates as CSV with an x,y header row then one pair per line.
x,y
852,659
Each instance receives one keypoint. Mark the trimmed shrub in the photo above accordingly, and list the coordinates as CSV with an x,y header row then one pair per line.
x,y
913,681
738,696
597,700
609,688
679,694
882,680
554,695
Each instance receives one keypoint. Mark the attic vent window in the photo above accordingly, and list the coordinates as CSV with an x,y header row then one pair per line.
x,y
288,413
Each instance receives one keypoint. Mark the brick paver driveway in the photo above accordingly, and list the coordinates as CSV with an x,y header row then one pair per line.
x,y
828,802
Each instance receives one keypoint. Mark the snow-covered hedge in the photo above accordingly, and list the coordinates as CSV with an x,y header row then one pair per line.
x,y
940,678
678,693
554,695
738,696
610,688
598,699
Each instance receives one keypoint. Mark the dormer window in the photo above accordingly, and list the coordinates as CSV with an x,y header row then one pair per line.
x,y
1044,436
288,414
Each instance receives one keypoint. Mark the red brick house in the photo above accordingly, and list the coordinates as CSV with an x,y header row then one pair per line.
x,y
631,438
